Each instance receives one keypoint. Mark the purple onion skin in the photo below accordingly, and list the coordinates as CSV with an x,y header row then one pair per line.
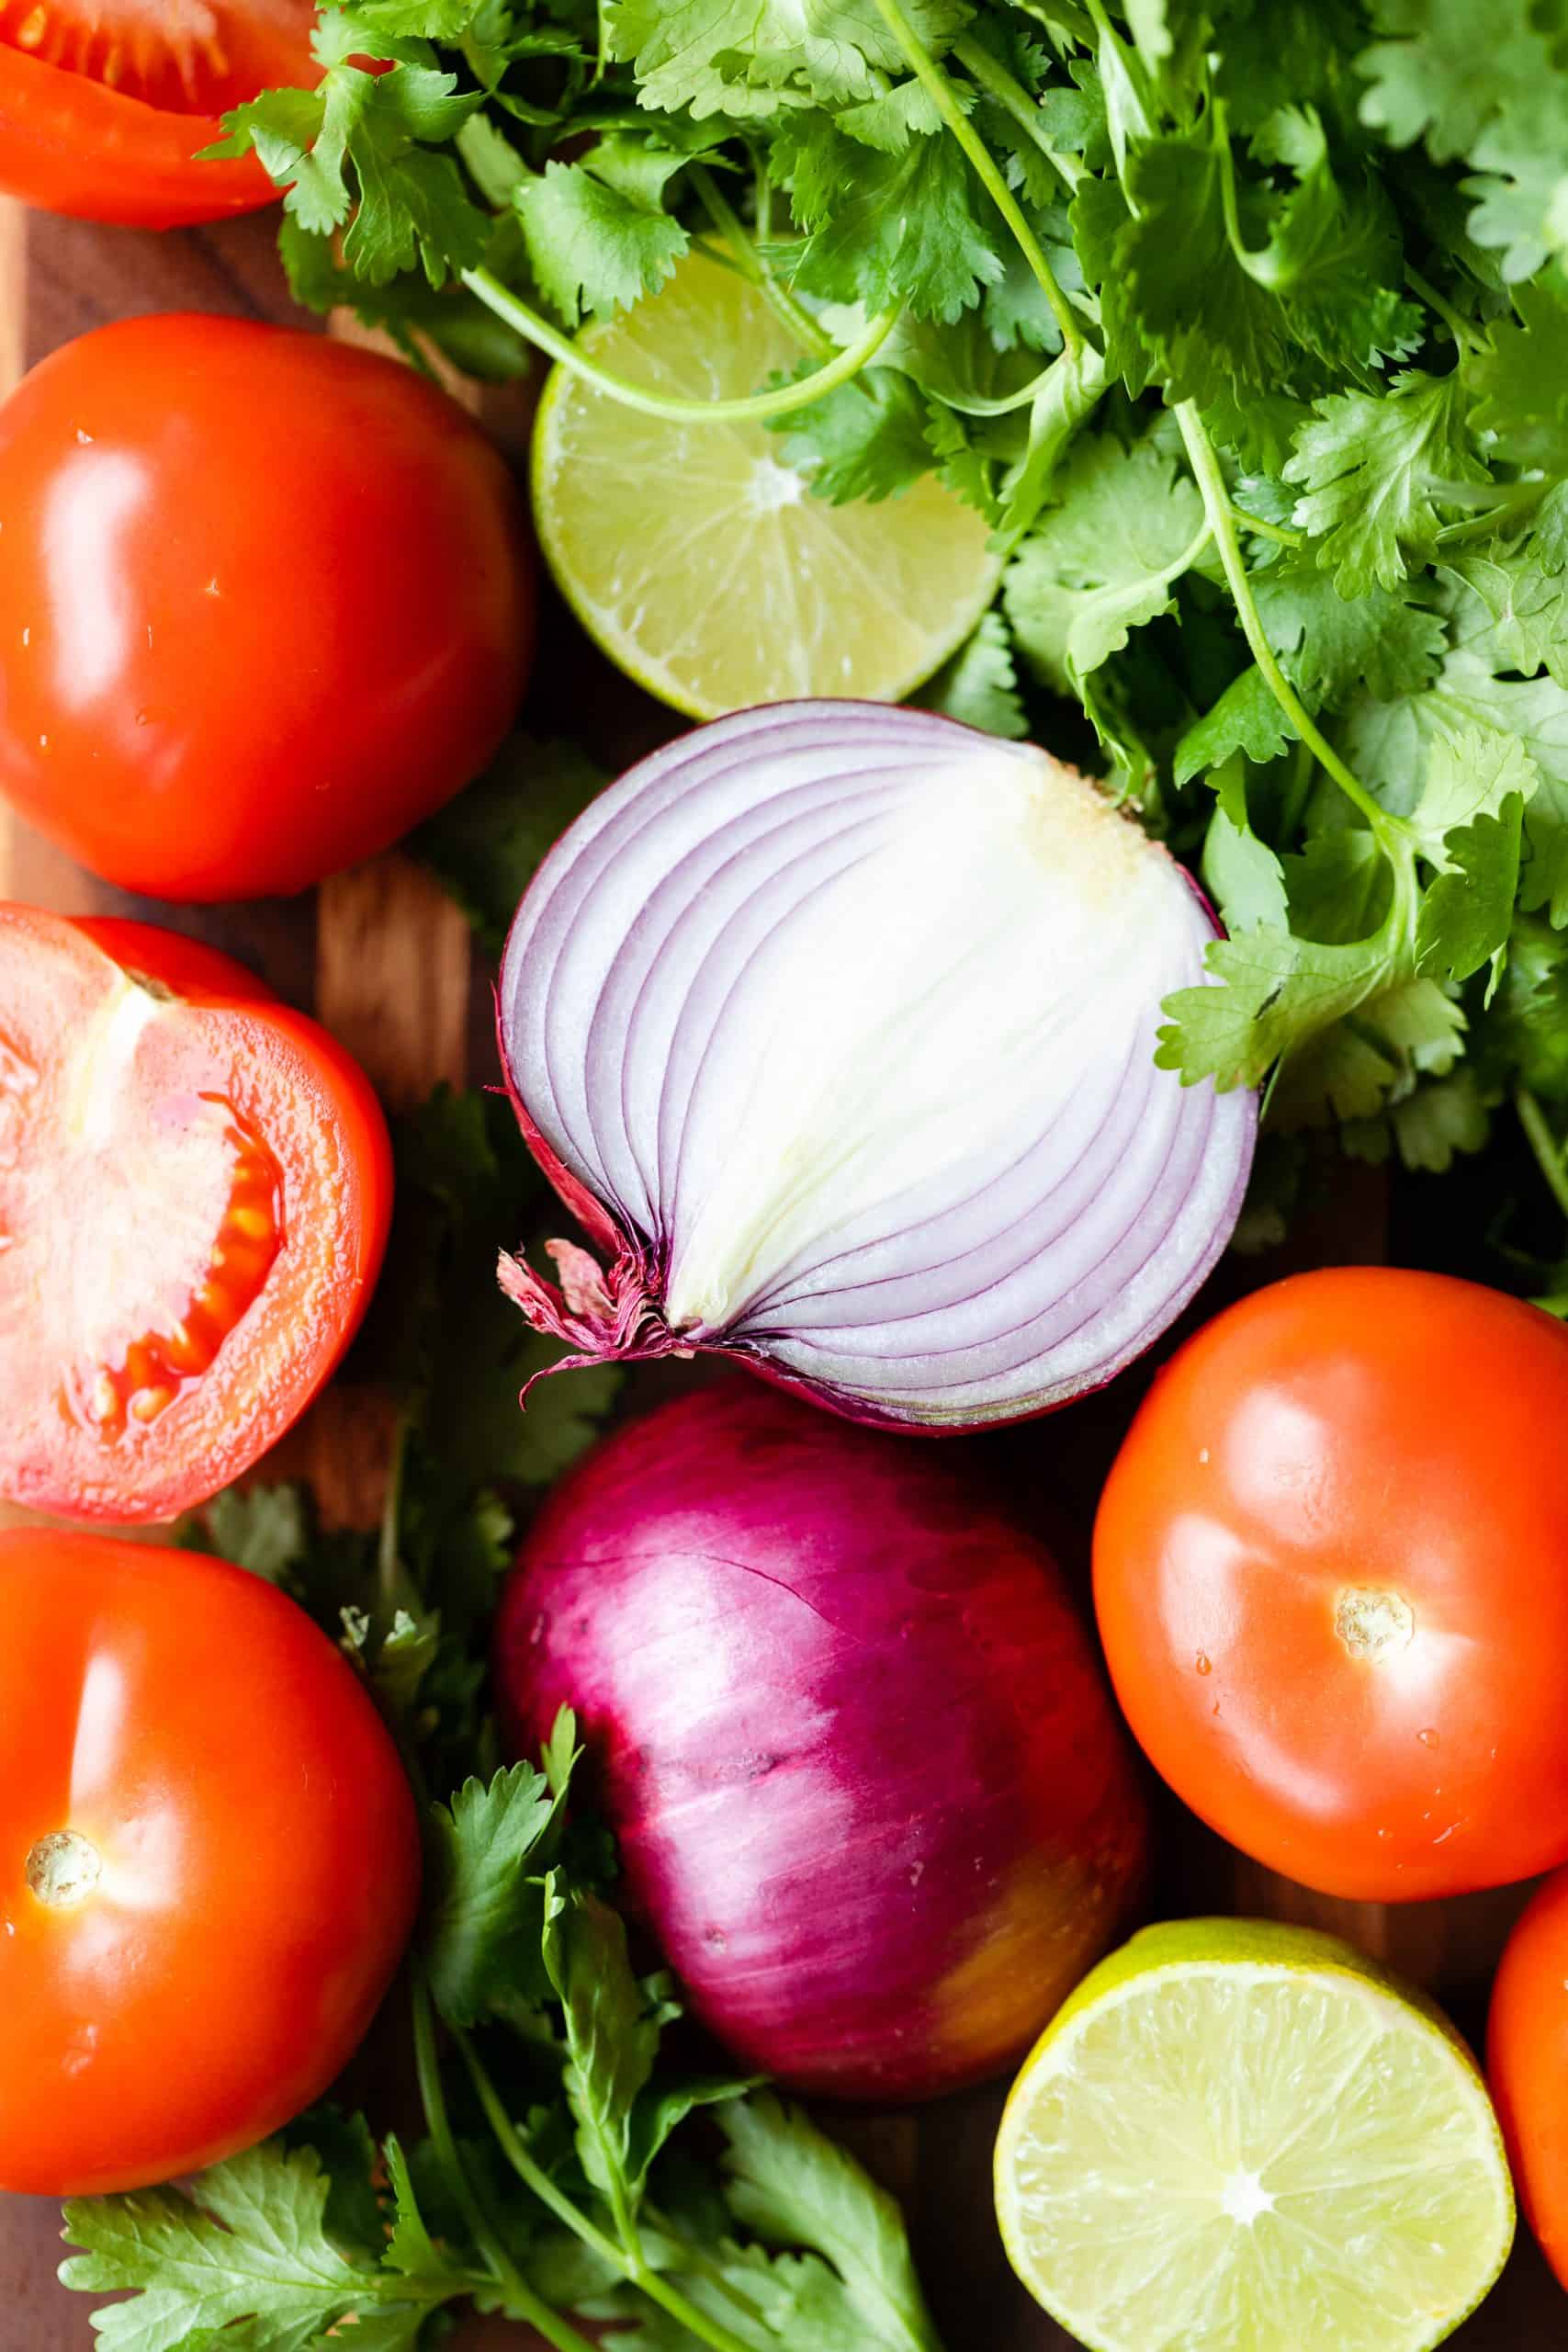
x,y
869,1788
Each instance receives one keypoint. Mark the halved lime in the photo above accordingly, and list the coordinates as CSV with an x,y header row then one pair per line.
x,y
699,559
1239,2137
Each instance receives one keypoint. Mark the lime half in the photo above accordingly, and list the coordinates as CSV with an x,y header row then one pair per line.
x,y
1248,2138
700,561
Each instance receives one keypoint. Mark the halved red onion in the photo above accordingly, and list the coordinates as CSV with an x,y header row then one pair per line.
x,y
834,1024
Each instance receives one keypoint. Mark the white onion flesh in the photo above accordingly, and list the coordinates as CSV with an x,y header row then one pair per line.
x,y
846,1015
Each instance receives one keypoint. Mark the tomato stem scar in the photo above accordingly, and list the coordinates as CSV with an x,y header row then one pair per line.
x,y
63,1869
1373,1624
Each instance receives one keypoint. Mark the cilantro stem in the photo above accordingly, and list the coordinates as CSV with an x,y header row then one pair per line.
x,y
625,2258
388,1566
943,97
1281,533
1544,1144
975,404
753,408
998,83
1463,333
750,262
521,2301
1389,831
1522,496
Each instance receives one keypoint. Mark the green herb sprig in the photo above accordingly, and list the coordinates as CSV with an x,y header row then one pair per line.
x,y
1244,326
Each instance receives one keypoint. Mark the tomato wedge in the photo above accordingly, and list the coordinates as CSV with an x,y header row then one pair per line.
x,y
104,105
195,1189
209,1862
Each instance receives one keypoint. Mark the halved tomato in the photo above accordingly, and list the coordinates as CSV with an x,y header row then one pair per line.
x,y
195,1189
104,105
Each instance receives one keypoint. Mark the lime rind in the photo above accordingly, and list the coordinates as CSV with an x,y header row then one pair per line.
x,y
1244,2138
698,560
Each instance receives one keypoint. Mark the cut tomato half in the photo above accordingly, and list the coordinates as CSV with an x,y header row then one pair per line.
x,y
195,1191
106,105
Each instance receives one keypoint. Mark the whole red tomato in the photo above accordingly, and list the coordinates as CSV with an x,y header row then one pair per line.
x,y
104,105
209,1863
1527,2065
1331,1569
195,1189
265,603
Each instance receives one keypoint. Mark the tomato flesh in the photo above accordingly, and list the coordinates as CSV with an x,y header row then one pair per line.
x,y
179,56
194,1192
1333,1588
105,108
209,1863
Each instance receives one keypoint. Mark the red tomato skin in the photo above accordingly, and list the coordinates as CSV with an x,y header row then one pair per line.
x,y
266,602
260,1862
1527,2065
67,144
229,1419
1335,1440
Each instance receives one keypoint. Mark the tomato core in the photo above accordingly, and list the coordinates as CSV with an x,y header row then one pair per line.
x,y
181,56
62,1869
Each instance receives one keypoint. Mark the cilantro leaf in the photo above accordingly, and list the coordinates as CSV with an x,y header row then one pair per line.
x,y
594,247
1124,525
794,2187
1471,773
264,1529
748,57
866,440
901,229
365,143
613,2024
1241,873
489,1853
1390,742
1373,473
1248,718
1384,639
486,845
1277,991
1512,611
979,686
1468,910
1521,381
1503,107
249,2243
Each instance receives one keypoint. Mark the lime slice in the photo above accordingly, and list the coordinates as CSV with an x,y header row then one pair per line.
x,y
1237,2137
699,559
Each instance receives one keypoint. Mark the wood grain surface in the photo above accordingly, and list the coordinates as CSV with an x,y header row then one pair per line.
x,y
383,959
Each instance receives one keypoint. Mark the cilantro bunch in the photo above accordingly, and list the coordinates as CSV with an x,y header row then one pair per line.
x,y
1244,324
567,2161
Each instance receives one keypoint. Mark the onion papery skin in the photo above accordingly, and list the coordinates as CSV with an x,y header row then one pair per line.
x,y
867,1785
835,1026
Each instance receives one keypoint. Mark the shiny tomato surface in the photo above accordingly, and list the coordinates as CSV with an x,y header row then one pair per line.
x,y
209,1862
1331,1571
265,603
106,105
195,1191
1527,2065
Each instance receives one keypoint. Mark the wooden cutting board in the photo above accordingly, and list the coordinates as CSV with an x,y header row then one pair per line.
x,y
382,958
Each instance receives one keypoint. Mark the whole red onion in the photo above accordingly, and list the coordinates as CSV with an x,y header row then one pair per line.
x,y
853,1741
